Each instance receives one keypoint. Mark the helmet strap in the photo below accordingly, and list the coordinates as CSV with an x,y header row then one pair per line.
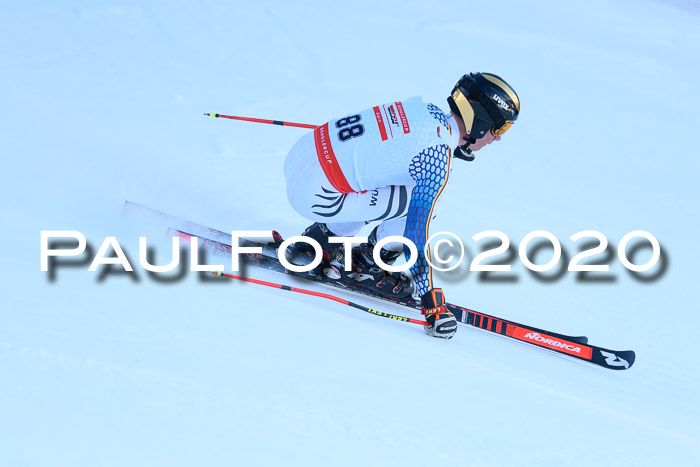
x,y
463,152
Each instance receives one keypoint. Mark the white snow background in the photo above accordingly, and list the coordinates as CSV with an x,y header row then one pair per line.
x,y
101,102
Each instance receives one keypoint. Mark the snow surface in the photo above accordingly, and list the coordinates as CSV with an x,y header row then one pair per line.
x,y
102,102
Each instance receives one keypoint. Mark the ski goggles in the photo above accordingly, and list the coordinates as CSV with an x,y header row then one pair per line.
x,y
502,129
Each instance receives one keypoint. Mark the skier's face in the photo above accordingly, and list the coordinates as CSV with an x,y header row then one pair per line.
x,y
488,138
462,130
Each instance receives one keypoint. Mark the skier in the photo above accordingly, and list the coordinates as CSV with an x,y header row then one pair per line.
x,y
391,164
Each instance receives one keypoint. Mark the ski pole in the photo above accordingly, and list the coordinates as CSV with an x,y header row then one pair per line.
x,y
261,120
323,295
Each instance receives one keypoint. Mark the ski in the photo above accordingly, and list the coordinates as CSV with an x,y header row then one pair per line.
x,y
576,347
219,243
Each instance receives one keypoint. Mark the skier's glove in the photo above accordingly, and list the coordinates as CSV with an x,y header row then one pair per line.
x,y
442,322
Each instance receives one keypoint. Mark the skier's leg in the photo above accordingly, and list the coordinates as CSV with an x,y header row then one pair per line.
x,y
334,213
391,228
312,196
345,229
314,200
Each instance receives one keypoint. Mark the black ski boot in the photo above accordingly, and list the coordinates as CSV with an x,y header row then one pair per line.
x,y
363,265
302,253
366,273
396,286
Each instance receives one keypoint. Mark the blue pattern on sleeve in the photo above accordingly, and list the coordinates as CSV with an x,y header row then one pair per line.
x,y
430,170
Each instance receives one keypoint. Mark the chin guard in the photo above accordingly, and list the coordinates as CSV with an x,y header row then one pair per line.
x,y
463,152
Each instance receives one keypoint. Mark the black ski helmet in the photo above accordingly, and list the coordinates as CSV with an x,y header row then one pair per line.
x,y
485,102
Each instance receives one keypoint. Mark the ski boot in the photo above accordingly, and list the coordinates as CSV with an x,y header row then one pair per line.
x,y
396,286
302,253
367,274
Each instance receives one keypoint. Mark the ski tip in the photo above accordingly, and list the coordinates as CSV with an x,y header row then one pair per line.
x,y
617,360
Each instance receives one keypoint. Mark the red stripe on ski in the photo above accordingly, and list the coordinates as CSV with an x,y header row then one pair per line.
x,y
544,340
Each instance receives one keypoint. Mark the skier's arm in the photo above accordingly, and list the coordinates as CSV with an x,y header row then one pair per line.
x,y
430,169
